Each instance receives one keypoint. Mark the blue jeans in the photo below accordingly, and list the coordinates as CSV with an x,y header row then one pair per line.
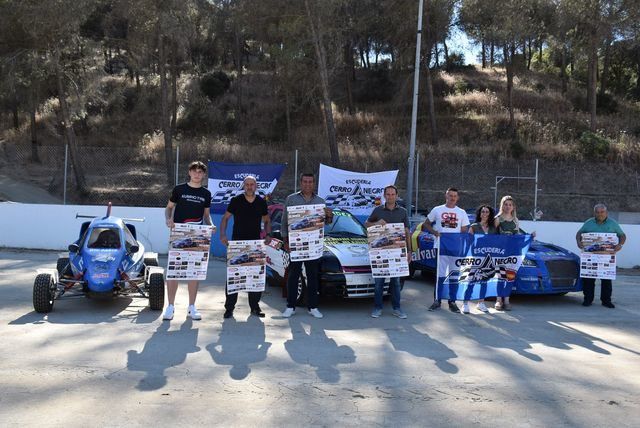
x,y
394,288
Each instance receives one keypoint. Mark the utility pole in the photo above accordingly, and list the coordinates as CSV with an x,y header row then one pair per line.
x,y
414,112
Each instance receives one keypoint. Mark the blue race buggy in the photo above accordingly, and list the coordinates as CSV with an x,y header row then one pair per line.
x,y
106,260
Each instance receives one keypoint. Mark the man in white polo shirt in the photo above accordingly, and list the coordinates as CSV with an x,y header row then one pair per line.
x,y
447,218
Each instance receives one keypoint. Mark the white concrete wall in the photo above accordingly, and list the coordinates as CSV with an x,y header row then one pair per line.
x,y
564,235
54,227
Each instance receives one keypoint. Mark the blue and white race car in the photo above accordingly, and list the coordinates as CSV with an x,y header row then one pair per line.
x,y
546,269
105,260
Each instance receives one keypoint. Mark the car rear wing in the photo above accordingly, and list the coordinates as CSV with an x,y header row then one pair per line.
x,y
108,214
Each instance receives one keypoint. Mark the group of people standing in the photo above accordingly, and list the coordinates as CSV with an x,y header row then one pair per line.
x,y
450,218
190,203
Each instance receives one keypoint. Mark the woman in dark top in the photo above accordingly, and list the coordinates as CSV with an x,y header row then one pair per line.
x,y
484,225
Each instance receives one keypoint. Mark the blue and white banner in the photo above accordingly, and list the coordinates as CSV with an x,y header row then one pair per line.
x,y
358,192
225,181
472,267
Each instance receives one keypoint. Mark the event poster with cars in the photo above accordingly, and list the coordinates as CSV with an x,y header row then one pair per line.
x,y
189,251
246,262
388,250
306,232
598,259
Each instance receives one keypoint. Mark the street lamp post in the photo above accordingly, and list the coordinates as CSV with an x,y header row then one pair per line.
x,y
414,112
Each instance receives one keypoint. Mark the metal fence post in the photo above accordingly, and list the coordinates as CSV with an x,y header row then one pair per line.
x,y
66,162
417,183
295,173
535,196
177,161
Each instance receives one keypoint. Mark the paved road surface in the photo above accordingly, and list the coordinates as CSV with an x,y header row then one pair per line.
x,y
550,362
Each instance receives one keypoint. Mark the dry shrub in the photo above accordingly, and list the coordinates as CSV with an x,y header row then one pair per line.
x,y
477,101
352,124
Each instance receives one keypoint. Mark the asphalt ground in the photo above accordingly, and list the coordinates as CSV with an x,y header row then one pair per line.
x,y
549,362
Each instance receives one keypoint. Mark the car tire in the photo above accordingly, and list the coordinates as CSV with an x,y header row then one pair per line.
x,y
155,290
151,261
43,293
412,270
63,267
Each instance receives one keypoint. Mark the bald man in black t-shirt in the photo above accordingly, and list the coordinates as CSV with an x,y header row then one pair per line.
x,y
249,210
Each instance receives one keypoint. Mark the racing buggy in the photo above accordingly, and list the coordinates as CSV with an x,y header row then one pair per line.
x,y
106,260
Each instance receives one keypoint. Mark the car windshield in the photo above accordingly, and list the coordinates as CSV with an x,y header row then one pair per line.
x,y
104,237
345,224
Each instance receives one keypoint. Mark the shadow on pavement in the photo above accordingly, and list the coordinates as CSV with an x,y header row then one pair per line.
x,y
239,345
164,349
317,350
406,338
80,310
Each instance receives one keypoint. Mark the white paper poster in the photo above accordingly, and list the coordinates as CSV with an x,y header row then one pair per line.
x,y
306,232
388,250
357,192
189,246
246,262
597,259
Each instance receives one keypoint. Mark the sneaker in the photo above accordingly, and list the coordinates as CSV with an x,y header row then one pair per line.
x,y
168,313
454,308
288,312
399,313
586,304
193,313
315,313
465,308
482,307
608,305
499,306
376,313
228,314
434,306
257,312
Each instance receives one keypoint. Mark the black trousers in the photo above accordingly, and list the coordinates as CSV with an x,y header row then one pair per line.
x,y
232,299
588,288
312,270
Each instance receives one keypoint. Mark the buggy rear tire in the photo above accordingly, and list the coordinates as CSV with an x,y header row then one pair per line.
x,y
63,267
151,261
155,289
43,293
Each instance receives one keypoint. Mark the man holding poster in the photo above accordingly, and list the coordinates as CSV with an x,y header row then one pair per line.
x,y
249,210
189,203
306,200
388,214
600,223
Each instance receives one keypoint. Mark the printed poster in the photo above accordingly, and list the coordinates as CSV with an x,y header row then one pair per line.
x,y
306,232
597,259
388,250
189,246
246,262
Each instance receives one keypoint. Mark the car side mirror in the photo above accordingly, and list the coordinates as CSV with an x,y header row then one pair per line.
x,y
276,234
134,249
74,248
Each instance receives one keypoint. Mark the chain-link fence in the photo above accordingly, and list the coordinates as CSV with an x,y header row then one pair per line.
x,y
139,175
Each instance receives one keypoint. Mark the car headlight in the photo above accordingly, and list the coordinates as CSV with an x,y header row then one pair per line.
x,y
529,262
330,263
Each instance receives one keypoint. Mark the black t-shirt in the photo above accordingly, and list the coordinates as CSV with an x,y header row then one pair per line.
x,y
246,217
190,203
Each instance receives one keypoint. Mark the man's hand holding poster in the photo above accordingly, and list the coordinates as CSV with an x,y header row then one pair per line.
x,y
306,232
246,262
388,250
189,251
598,258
